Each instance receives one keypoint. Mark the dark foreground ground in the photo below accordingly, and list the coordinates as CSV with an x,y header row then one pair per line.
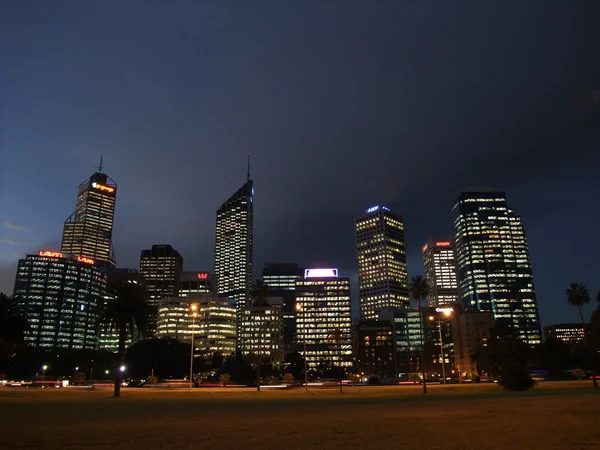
x,y
551,416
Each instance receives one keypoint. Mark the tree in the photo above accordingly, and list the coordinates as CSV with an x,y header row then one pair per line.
x,y
125,313
414,377
288,378
294,363
224,379
419,291
79,378
259,294
13,325
578,295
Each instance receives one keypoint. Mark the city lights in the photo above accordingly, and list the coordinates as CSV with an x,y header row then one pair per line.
x,y
320,273
50,254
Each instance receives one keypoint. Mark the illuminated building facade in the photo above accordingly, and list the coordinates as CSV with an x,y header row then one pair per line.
x,y
409,325
324,319
569,333
233,246
375,347
382,273
60,295
88,231
161,268
471,331
174,320
261,328
493,265
281,279
194,283
440,272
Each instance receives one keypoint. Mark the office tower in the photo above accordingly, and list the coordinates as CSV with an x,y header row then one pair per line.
x,y
410,332
471,330
194,283
382,275
233,245
261,328
492,258
161,268
88,231
324,320
216,323
569,333
174,319
281,280
60,295
440,272
375,348
108,339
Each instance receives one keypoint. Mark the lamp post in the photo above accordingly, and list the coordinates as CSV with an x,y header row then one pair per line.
x,y
299,308
193,309
44,368
445,312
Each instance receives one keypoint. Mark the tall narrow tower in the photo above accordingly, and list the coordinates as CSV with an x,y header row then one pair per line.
x,y
440,271
88,231
382,274
233,245
494,269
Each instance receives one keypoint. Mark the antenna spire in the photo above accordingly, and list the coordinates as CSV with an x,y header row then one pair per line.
x,y
248,174
100,166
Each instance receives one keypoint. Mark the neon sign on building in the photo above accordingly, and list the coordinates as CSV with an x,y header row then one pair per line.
x,y
83,259
50,254
203,275
320,273
102,187
442,244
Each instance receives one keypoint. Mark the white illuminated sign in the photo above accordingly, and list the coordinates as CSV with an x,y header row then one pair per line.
x,y
320,273
444,310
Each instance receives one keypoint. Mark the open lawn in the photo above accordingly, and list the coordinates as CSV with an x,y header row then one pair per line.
x,y
551,416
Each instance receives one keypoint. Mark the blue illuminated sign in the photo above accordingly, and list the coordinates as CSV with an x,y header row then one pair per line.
x,y
375,208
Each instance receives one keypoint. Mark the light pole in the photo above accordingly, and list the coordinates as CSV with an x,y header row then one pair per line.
x,y
44,368
193,309
299,308
446,312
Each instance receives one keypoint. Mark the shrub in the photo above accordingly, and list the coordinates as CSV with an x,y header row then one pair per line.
x,y
224,379
516,380
288,378
579,374
151,379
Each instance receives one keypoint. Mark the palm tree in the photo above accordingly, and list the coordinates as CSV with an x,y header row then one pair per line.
x,y
125,313
259,294
578,295
336,336
419,290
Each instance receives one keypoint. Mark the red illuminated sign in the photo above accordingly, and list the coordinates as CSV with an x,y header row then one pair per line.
x,y
442,244
83,259
50,254
424,248
102,187
203,275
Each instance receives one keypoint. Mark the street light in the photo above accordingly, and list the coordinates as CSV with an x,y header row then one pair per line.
x,y
44,368
193,309
447,312
122,369
299,308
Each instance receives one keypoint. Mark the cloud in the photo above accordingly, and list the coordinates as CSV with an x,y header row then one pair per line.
x,y
14,226
4,240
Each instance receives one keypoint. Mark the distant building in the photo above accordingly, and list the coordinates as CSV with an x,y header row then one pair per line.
x,y
494,269
381,254
375,349
261,331
60,295
233,245
88,231
174,320
281,279
409,335
324,319
471,331
569,333
440,272
161,267
195,283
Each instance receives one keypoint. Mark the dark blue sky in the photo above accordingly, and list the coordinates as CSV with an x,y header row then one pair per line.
x,y
343,105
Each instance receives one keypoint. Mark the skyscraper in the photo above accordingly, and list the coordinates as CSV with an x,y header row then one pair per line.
x,y
88,231
60,295
233,245
382,274
440,272
161,268
494,269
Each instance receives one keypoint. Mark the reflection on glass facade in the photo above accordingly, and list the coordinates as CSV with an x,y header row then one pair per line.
x,y
233,246
494,269
382,273
324,320
261,331
60,297
440,272
88,231
161,268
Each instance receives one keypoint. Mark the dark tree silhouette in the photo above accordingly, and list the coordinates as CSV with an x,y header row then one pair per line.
x,y
419,291
578,295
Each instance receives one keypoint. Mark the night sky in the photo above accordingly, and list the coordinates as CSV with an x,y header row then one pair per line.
x,y
343,105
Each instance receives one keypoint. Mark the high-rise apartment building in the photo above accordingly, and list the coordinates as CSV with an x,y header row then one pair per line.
x,y
161,268
324,320
440,272
60,295
233,245
88,231
194,283
494,269
382,274
281,279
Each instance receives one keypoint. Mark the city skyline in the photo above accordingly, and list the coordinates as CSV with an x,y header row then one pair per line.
x,y
418,121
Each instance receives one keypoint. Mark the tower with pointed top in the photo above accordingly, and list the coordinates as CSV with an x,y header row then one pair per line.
x,y
233,245
88,231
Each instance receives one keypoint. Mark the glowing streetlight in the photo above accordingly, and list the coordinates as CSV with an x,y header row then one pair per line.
x,y
299,308
194,313
122,369
44,368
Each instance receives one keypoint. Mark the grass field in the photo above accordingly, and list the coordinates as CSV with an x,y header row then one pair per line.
x,y
551,416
